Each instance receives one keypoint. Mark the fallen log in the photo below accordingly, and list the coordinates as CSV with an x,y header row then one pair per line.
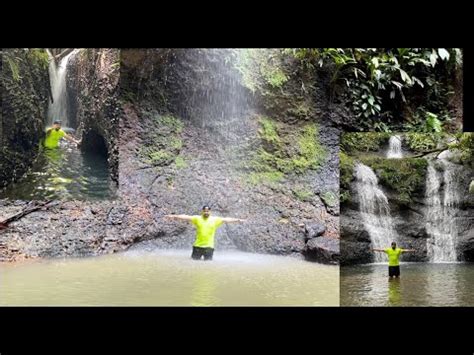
x,y
4,224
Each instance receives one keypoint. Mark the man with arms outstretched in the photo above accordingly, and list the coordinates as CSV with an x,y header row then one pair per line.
x,y
206,226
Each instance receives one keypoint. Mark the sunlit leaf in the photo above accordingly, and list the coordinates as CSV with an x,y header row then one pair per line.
x,y
443,54
433,58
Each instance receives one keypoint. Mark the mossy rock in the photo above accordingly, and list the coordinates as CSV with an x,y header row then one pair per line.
x,y
261,70
279,155
161,142
329,198
363,142
404,176
422,142
346,169
302,194
180,163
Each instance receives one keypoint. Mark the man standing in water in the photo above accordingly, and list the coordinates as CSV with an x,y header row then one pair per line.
x,y
393,258
206,226
54,135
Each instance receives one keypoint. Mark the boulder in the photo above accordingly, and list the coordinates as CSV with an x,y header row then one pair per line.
x,y
323,250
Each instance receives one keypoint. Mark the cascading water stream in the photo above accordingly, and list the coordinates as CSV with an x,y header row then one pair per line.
x,y
395,147
57,109
66,172
443,198
374,209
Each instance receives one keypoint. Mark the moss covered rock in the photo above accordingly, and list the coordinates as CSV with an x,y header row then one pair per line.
x,y
404,176
285,152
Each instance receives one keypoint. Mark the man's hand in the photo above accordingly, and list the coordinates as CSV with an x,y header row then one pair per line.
x,y
232,220
182,217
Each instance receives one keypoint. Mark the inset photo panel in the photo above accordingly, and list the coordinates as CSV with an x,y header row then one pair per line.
x,y
396,89
407,207
58,156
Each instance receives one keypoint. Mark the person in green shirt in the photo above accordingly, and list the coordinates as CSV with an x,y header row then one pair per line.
x,y
393,258
206,226
54,135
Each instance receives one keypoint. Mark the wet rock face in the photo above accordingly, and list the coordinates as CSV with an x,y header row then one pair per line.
x,y
92,89
214,152
71,229
314,230
25,94
323,250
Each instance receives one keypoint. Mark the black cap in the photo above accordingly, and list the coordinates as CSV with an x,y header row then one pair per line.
x,y
206,207
57,122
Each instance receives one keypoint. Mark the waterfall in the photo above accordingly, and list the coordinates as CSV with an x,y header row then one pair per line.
x,y
395,147
57,109
443,198
223,103
374,209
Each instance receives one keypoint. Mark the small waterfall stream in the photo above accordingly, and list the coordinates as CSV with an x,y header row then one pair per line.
x,y
374,209
443,198
395,147
57,109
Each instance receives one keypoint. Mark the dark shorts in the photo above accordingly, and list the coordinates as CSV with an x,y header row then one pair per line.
x,y
394,271
198,252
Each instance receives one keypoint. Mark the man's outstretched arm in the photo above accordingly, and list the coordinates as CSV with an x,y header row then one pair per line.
x,y
381,250
71,139
232,220
408,250
182,217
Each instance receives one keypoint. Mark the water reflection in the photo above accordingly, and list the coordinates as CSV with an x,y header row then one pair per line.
x,y
64,173
204,286
420,284
170,278
394,294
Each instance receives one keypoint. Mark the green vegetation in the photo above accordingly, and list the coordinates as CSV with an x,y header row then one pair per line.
x,y
13,64
279,155
180,163
268,131
40,57
346,164
303,194
301,110
159,157
381,83
268,177
404,176
260,69
37,57
162,141
363,142
329,198
464,144
427,122
422,142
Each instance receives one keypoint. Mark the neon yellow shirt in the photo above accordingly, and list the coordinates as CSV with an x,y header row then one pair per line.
x,y
393,256
52,139
205,230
